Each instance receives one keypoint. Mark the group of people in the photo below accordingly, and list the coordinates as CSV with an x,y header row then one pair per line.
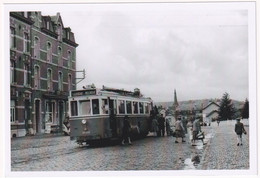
x,y
158,126
182,127
193,129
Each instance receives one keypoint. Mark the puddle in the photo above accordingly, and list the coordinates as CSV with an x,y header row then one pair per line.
x,y
188,164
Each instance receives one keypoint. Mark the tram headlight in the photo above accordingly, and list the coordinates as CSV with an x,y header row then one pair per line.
x,y
84,121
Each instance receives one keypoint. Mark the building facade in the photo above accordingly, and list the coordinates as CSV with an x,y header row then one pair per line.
x,y
210,112
42,72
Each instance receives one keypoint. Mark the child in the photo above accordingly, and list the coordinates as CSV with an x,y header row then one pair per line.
x,y
239,129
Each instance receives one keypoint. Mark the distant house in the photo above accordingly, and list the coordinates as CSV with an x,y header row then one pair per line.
x,y
210,112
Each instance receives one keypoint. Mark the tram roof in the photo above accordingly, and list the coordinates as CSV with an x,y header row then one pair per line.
x,y
107,92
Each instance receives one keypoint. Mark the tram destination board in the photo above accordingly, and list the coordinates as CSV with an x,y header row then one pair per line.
x,y
83,92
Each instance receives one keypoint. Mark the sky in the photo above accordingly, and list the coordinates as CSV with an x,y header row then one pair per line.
x,y
201,50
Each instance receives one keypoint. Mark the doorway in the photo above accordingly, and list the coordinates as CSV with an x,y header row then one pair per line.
x,y
37,116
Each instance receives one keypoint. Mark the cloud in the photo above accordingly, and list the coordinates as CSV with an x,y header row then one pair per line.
x,y
201,53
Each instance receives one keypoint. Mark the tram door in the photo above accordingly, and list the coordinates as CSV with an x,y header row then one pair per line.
x,y
112,115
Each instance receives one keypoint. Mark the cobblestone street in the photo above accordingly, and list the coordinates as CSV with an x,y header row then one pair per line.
x,y
58,153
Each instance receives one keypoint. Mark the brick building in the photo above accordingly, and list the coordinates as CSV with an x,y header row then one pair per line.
x,y
42,71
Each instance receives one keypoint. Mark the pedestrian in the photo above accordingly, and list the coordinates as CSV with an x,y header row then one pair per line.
x,y
189,130
196,129
168,127
155,126
161,123
184,123
218,122
239,129
126,131
179,130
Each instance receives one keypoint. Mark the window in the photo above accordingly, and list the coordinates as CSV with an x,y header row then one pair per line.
x,y
74,108
95,106
68,35
50,112
85,107
69,82
59,31
69,59
121,106
48,25
12,72
60,81
26,44
37,77
104,107
26,75
36,50
49,79
128,107
60,56
49,52
12,109
135,107
12,38
141,107
146,108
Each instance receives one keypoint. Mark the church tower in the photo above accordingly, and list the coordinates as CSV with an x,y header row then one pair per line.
x,y
175,105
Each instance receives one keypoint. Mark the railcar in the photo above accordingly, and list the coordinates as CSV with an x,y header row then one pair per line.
x,y
98,114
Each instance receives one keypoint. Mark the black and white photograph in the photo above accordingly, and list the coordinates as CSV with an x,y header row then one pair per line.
x,y
130,89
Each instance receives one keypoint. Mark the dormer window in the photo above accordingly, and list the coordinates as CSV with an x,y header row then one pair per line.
x,y
68,35
59,31
26,14
48,25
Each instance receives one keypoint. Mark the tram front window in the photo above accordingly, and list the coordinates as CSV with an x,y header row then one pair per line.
x,y
85,107
74,108
95,106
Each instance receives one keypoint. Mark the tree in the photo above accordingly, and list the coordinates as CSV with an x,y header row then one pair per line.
x,y
245,109
226,109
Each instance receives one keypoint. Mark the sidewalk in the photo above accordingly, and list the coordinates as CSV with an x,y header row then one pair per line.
x,y
222,151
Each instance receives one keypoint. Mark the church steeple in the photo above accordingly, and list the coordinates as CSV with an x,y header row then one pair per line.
x,y
175,105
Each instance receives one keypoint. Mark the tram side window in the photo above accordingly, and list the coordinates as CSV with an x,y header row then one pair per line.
x,y
74,108
121,107
146,108
95,106
141,107
104,107
85,107
128,107
135,107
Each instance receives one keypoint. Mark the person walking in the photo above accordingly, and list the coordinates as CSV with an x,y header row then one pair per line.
x,y
161,123
179,130
155,126
168,127
126,131
196,128
218,121
239,129
184,123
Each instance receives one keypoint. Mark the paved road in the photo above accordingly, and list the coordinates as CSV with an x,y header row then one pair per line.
x,y
58,153
222,151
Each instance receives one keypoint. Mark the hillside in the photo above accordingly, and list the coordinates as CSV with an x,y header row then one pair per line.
x,y
197,104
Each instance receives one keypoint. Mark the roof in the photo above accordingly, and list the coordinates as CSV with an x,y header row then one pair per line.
x,y
212,102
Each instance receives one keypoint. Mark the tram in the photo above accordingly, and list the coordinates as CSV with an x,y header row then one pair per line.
x,y
98,114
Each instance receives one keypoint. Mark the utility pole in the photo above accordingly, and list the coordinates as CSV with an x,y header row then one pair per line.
x,y
83,76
